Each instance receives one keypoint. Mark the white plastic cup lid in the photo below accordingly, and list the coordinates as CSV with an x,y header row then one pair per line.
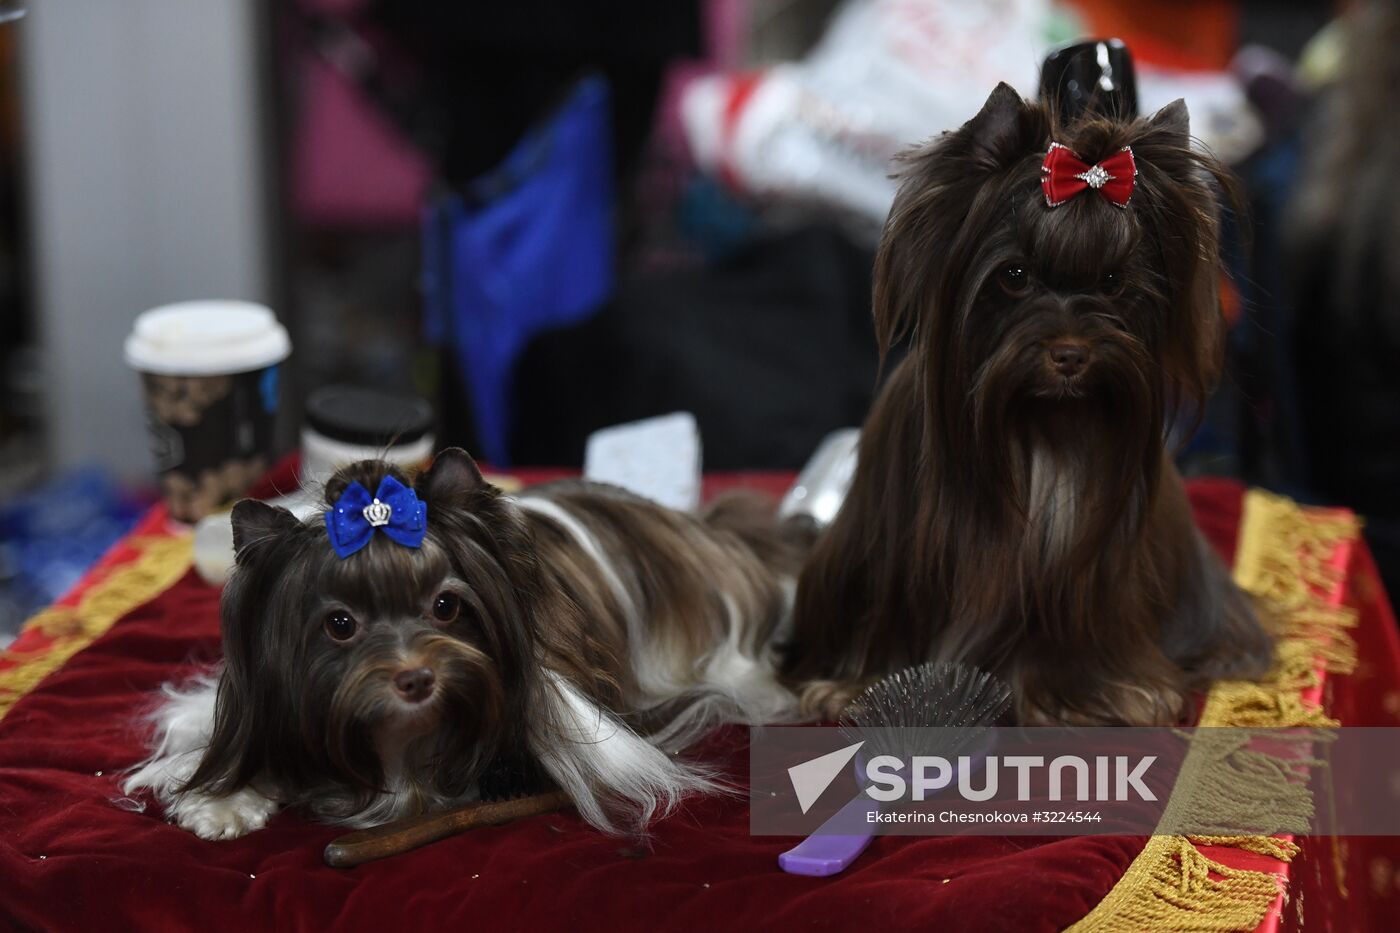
x,y
206,338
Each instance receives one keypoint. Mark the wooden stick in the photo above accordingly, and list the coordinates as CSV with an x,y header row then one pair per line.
x,y
413,831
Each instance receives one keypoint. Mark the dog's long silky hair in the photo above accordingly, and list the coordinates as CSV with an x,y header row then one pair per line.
x,y
294,712
595,632
1002,516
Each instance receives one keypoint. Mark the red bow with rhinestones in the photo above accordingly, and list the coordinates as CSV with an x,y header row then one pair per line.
x,y
1063,175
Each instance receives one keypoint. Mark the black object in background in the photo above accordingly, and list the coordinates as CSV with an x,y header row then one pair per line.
x,y
367,417
1342,258
1096,75
489,70
771,349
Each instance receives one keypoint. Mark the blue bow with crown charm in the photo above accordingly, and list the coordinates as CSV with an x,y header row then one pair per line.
x,y
394,509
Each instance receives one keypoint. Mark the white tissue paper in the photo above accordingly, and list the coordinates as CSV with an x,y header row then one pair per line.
x,y
658,459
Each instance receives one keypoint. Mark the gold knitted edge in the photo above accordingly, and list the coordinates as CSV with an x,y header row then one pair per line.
x,y
1283,562
160,561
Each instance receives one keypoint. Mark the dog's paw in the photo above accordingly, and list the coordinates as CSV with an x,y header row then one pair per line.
x,y
227,817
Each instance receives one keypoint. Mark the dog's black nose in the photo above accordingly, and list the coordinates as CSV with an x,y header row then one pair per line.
x,y
416,685
1069,358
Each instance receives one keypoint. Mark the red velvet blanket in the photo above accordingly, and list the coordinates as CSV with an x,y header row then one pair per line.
x,y
73,859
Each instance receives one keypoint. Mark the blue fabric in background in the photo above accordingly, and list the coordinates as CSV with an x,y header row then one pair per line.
x,y
526,248
51,535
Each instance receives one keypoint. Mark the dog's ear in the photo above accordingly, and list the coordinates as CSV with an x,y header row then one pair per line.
x,y
254,522
453,480
1162,142
996,130
1184,192
939,185
1174,121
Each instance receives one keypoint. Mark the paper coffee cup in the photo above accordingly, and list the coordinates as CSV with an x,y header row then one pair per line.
x,y
210,373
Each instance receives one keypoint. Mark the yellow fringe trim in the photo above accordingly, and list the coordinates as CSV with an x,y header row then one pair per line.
x,y
160,562
1283,562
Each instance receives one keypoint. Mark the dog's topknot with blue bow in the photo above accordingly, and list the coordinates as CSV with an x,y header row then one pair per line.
x,y
394,510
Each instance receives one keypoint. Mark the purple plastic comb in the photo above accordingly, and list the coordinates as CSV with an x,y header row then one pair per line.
x,y
838,841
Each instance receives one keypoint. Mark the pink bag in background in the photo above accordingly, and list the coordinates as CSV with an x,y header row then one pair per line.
x,y
349,165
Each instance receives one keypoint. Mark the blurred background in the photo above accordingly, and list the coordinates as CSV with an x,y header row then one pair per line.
x,y
549,216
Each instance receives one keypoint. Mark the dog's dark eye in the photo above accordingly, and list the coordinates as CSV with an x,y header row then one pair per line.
x,y
1013,279
341,625
1112,283
446,607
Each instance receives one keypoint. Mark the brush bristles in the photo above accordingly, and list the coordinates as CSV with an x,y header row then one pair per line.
x,y
894,715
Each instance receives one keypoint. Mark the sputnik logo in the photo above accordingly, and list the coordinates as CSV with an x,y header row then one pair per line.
x,y
811,778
